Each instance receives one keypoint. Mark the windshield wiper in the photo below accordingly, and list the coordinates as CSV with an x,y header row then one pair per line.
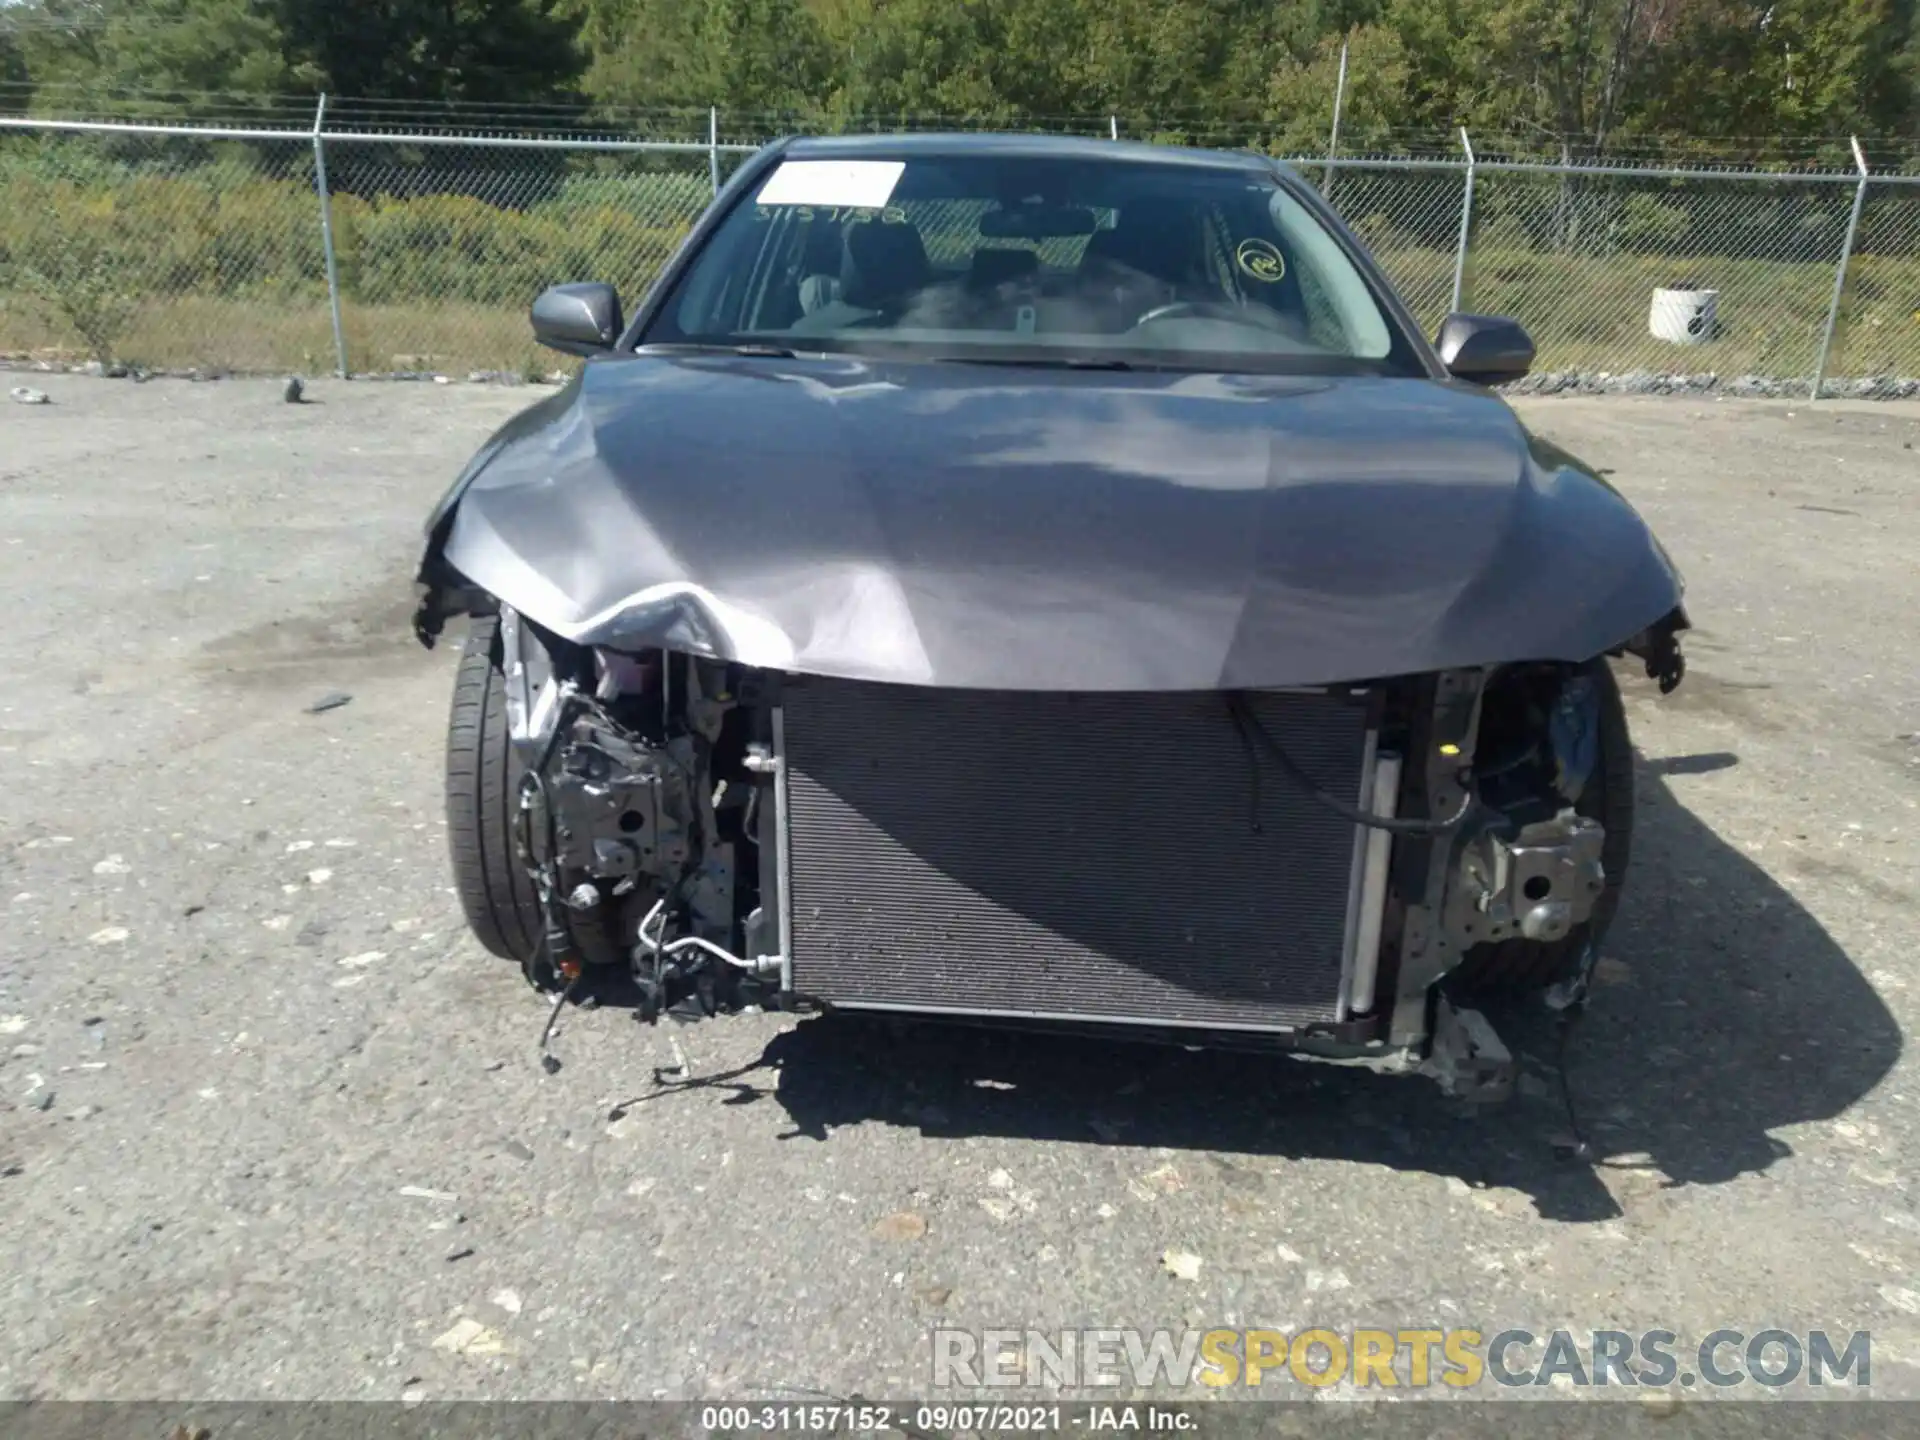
x,y
695,347
1041,362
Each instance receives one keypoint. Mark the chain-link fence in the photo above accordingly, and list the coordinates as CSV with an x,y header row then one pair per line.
x,y
344,248
188,250
1409,214
441,248
1785,276
266,250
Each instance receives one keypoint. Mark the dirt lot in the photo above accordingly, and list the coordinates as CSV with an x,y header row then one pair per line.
x,y
271,1125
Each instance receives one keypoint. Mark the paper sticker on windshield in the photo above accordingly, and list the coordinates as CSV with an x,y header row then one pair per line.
x,y
1261,259
865,184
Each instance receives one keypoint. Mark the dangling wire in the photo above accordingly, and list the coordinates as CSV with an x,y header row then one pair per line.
x,y
1236,702
545,877
1239,714
549,1061
1570,1000
1581,1149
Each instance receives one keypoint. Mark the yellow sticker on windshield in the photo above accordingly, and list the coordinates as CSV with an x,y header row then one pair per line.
x,y
1261,259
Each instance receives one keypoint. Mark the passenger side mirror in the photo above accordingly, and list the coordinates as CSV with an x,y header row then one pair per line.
x,y
577,319
1486,349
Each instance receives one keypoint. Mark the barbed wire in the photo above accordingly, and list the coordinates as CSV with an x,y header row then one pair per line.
x,y
1227,127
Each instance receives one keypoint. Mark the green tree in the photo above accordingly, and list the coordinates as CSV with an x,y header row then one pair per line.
x,y
494,51
1450,78
1149,58
1792,68
1160,65
172,52
742,54
1300,92
1232,71
14,88
908,58
1593,71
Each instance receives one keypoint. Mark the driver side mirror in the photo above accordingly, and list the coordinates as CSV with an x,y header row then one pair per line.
x,y
1485,349
577,319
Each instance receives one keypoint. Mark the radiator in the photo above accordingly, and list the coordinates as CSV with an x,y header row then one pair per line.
x,y
1123,858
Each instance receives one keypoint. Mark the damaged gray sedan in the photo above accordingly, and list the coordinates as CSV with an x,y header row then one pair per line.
x,y
1052,584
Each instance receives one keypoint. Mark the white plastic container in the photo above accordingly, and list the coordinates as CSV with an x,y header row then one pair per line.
x,y
1683,317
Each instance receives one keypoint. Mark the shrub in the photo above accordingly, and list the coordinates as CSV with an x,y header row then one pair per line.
x,y
76,252
1381,234
1646,223
183,262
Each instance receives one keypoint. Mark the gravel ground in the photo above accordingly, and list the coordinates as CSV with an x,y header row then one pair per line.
x,y
273,1126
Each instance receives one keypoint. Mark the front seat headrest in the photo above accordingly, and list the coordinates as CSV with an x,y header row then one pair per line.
x,y
884,263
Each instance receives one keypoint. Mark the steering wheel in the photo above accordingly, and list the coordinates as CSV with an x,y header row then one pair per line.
x,y
1257,316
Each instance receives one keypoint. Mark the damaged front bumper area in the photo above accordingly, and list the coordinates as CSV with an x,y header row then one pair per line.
x,y
1305,870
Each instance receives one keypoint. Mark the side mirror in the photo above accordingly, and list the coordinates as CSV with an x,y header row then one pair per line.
x,y
1486,349
577,319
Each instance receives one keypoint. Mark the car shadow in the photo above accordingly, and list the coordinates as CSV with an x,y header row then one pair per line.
x,y
1723,1014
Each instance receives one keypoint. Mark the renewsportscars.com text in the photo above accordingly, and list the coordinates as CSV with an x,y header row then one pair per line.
x,y
1411,1358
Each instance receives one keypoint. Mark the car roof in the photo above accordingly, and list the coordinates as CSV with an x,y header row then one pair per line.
x,y
1013,146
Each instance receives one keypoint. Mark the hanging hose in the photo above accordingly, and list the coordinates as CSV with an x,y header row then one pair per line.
x,y
1240,723
659,947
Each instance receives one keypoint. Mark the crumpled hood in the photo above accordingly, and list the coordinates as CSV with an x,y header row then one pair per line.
x,y
1008,528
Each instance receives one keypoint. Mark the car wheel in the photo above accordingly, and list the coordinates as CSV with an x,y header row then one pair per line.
x,y
482,777
1516,967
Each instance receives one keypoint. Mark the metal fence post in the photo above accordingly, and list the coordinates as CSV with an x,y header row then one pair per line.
x,y
326,235
1113,127
1466,223
1333,134
1840,274
713,146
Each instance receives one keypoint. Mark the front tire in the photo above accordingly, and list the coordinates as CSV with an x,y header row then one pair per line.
x,y
482,781
1520,967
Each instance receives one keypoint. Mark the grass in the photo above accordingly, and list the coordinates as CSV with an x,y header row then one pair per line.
x,y
218,263
1589,314
243,337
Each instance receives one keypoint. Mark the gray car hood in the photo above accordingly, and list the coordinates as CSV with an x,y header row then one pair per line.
x,y
1014,528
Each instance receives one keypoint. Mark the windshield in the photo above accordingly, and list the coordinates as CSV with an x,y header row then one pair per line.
x,y
1072,261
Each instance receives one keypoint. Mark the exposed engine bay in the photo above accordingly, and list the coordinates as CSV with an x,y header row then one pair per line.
x,y
1336,871
634,806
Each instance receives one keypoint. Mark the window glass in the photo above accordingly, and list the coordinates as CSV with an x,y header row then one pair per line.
x,y
1057,259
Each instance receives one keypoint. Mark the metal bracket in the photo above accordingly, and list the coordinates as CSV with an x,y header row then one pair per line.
x,y
1537,885
1426,949
1658,648
1665,664
1571,993
770,760
1468,1058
